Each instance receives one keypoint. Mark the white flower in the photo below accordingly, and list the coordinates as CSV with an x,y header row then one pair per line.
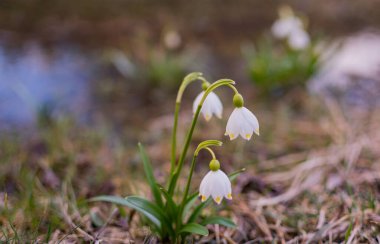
x,y
291,27
217,185
298,39
283,27
211,105
172,39
242,122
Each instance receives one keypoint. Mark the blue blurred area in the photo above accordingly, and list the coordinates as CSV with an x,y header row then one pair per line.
x,y
144,49
33,81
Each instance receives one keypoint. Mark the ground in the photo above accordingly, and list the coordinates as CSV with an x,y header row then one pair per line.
x,y
311,176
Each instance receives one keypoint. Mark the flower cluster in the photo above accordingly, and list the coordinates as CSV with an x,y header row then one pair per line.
x,y
290,27
241,122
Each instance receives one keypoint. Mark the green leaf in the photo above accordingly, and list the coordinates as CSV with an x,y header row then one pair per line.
x,y
48,235
122,211
192,197
172,208
150,176
194,228
96,220
148,209
235,174
219,220
348,233
189,203
142,204
197,211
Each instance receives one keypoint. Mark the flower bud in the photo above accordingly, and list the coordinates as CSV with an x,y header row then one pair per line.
x,y
238,100
214,165
205,85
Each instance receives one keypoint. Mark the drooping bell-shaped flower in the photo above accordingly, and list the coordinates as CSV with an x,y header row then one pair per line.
x,y
211,105
286,24
291,27
283,27
215,184
299,39
242,121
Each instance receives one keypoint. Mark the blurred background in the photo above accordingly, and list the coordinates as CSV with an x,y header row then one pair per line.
x,y
82,82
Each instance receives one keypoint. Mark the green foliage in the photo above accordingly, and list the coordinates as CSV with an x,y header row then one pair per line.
x,y
165,69
165,218
168,223
275,67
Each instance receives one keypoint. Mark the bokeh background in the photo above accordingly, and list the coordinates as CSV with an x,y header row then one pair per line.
x,y
81,83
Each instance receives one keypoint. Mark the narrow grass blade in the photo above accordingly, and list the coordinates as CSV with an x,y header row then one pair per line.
x,y
150,176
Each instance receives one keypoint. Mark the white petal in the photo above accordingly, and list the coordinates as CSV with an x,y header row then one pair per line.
x,y
283,27
207,109
245,129
279,30
211,105
202,185
299,39
226,184
197,101
232,128
205,187
217,192
216,184
216,104
251,119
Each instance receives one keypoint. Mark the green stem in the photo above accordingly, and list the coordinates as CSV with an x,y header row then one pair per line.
x,y
192,167
180,212
174,137
233,88
186,81
174,178
211,152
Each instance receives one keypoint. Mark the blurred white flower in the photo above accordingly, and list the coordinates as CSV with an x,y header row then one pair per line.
x,y
242,122
283,27
217,185
298,39
212,105
291,27
172,39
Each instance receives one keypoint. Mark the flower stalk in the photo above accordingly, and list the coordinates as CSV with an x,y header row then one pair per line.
x,y
186,81
202,145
